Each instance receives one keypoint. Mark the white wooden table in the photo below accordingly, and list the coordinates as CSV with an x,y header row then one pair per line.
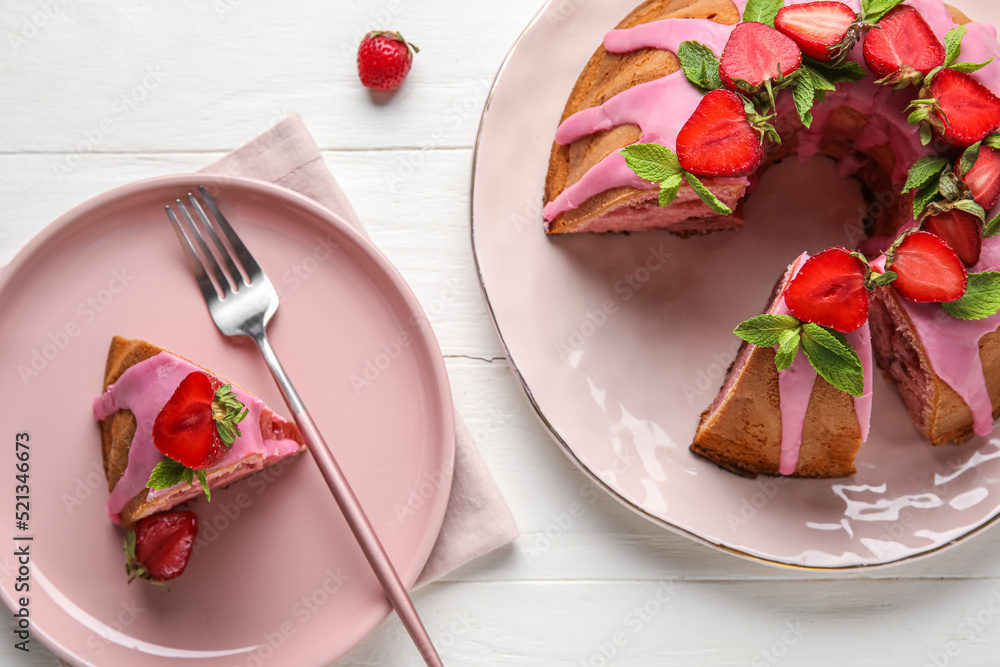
x,y
98,93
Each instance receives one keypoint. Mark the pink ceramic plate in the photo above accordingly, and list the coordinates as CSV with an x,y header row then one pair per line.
x,y
276,577
621,342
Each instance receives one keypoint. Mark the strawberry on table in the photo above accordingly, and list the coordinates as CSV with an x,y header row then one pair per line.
x,y
830,290
983,178
719,139
927,268
384,59
195,430
756,55
960,230
902,48
816,27
159,547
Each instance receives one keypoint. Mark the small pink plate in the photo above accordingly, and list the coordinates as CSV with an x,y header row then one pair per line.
x,y
276,577
620,342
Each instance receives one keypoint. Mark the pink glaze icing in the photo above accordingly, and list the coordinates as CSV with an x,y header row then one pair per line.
x,y
144,389
795,386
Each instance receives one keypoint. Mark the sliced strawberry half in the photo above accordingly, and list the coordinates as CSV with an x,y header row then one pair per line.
x,y
902,47
984,178
960,109
198,424
159,547
756,53
829,290
928,269
718,139
816,27
962,231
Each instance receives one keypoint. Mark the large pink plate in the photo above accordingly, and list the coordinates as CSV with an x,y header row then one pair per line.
x,y
276,577
620,342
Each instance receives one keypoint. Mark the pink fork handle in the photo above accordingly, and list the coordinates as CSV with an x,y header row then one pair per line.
x,y
365,534
350,506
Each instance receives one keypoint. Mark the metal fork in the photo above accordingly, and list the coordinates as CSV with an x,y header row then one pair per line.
x,y
242,300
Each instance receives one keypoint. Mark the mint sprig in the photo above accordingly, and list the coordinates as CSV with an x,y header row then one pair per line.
x,y
952,50
940,188
827,350
700,65
762,11
766,330
981,298
659,164
169,472
811,82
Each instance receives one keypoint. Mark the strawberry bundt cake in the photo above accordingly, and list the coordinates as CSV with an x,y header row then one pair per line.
x,y
171,430
687,101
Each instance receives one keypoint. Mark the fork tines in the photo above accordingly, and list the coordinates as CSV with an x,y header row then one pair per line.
x,y
205,260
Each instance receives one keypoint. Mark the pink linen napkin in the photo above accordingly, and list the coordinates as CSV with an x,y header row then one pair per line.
x,y
477,520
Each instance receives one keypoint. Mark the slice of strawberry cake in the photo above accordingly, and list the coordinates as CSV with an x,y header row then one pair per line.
x,y
171,430
803,415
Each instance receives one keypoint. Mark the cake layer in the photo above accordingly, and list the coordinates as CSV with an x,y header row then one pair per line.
x,y
139,379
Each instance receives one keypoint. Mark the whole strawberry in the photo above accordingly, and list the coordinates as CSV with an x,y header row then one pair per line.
x,y
384,59
160,546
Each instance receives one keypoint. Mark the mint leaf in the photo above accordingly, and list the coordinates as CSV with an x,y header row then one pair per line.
x,y
953,45
923,171
762,11
700,65
874,10
166,474
651,162
804,94
669,188
969,68
924,197
788,348
707,195
992,227
766,330
981,298
835,73
833,358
